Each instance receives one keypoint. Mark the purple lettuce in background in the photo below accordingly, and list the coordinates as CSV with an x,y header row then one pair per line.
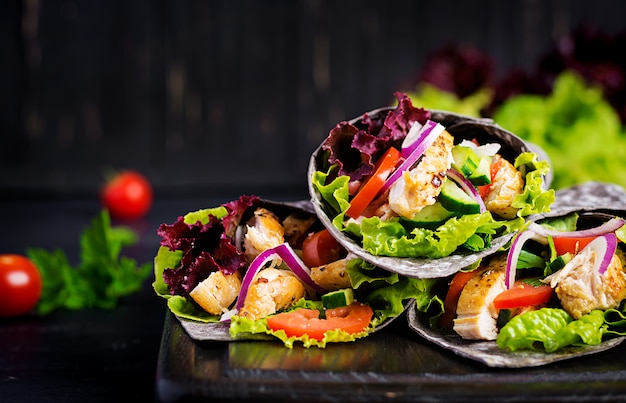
x,y
598,57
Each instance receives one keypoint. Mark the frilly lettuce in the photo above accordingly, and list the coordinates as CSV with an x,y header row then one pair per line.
x,y
387,293
553,328
575,125
390,238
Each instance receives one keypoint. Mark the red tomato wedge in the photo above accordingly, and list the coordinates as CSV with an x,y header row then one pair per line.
x,y
521,295
457,284
484,190
320,248
571,245
353,318
368,191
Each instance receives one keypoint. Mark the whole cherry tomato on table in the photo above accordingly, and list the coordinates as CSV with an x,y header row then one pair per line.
x,y
127,196
20,285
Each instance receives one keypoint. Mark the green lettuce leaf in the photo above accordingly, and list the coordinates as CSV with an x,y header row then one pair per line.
x,y
551,328
573,125
534,198
387,294
471,232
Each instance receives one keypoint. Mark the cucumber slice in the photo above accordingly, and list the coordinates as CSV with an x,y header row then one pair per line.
x,y
560,261
482,174
339,298
453,198
465,160
430,217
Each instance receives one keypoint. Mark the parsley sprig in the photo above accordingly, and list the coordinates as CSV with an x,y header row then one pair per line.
x,y
102,275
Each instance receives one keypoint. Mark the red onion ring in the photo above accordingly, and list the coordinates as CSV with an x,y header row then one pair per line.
x,y
610,226
605,247
422,145
291,259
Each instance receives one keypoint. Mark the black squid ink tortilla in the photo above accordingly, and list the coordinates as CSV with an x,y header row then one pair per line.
x,y
418,245
563,327
227,251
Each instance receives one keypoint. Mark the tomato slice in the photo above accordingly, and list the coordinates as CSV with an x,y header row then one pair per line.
x,y
353,318
457,284
368,191
484,190
523,294
572,245
320,248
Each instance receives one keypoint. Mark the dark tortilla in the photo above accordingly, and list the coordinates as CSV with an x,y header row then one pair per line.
x,y
484,130
218,331
488,353
590,198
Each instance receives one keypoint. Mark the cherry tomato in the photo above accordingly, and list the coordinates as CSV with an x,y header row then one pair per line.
x,y
128,196
457,284
523,294
353,318
320,248
572,245
20,285
484,190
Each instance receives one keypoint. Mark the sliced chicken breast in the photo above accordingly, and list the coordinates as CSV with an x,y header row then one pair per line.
x,y
581,289
332,276
270,291
507,184
263,231
420,186
476,316
217,292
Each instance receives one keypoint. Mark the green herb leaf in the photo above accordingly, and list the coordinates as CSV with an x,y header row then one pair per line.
x,y
101,277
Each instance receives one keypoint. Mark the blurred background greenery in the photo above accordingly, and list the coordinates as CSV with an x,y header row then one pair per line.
x,y
572,102
209,97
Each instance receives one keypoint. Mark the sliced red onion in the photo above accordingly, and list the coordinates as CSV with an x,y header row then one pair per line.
x,y
610,226
257,264
604,247
291,259
513,256
297,266
422,145
415,135
467,186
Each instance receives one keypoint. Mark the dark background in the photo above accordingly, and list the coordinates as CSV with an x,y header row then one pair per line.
x,y
206,97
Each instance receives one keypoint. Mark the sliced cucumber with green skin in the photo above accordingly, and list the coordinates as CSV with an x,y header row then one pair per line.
x,y
465,160
453,198
560,261
482,174
430,217
339,298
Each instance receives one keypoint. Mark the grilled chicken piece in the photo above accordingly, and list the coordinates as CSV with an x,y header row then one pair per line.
x,y
420,186
263,231
332,276
217,292
507,184
476,316
581,289
296,227
271,290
